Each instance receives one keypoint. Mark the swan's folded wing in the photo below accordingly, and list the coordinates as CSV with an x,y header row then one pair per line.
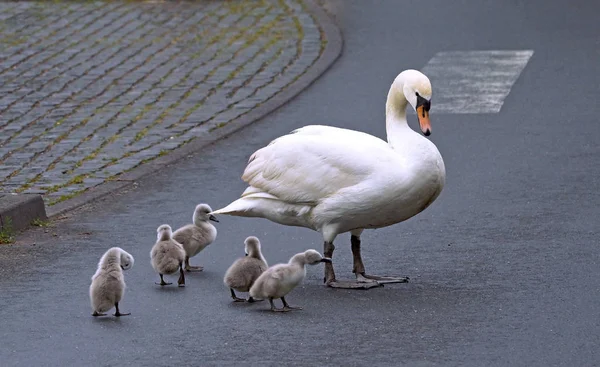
x,y
306,168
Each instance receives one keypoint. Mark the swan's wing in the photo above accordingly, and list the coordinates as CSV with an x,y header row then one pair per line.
x,y
313,163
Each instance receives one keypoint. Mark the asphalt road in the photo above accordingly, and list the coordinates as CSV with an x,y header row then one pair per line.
x,y
504,266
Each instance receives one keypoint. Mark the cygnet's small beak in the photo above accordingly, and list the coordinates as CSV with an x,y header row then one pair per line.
x,y
326,260
213,218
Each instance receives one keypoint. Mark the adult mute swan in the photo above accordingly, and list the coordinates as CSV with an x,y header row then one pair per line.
x,y
335,180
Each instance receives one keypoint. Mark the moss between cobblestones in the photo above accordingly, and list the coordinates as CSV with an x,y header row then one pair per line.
x,y
248,35
6,232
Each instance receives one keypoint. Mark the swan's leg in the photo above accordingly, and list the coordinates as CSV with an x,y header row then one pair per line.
x,y
189,267
181,280
330,275
328,248
359,267
236,298
162,281
287,307
117,314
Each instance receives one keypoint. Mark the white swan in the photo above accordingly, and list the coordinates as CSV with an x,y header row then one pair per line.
x,y
335,180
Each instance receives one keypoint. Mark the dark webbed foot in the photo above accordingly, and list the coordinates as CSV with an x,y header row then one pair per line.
x,y
348,284
380,279
119,314
236,298
190,268
96,313
162,281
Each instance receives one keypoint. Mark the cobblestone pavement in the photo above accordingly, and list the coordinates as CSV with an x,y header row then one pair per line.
x,y
89,90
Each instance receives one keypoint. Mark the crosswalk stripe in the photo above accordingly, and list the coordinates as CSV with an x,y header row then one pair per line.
x,y
473,81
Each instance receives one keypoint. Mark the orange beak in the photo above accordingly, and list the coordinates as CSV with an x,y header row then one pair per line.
x,y
423,116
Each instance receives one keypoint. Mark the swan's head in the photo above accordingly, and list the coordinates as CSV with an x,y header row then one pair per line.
x,y
416,88
313,257
202,214
164,232
252,246
126,260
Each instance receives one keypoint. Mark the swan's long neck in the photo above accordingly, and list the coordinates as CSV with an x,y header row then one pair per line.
x,y
396,125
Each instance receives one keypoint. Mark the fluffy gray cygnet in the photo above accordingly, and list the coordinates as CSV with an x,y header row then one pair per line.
x,y
242,274
278,280
108,283
167,255
197,236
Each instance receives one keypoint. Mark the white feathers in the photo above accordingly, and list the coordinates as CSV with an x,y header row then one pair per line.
x,y
335,180
108,283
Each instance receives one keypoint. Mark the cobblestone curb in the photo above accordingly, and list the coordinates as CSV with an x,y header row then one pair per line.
x,y
196,104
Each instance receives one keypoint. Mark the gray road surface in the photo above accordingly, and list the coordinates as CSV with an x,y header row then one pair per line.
x,y
504,266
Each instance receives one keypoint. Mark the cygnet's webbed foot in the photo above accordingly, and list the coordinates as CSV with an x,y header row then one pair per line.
x,y
365,278
285,307
238,299
348,284
162,281
190,268
96,313
119,314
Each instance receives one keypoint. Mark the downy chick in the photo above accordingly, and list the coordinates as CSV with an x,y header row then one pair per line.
x,y
244,271
195,237
280,279
108,283
167,255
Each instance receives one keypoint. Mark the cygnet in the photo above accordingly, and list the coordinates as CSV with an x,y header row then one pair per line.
x,y
108,283
167,255
280,279
196,236
244,271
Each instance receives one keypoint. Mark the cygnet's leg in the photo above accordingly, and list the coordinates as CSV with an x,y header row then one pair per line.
x,y
162,281
189,267
330,275
181,280
236,298
359,268
287,307
117,314
273,308
96,313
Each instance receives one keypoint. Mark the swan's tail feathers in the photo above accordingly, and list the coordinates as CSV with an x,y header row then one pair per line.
x,y
263,205
246,206
237,208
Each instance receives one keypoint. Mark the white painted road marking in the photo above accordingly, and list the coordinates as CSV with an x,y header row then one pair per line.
x,y
473,81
